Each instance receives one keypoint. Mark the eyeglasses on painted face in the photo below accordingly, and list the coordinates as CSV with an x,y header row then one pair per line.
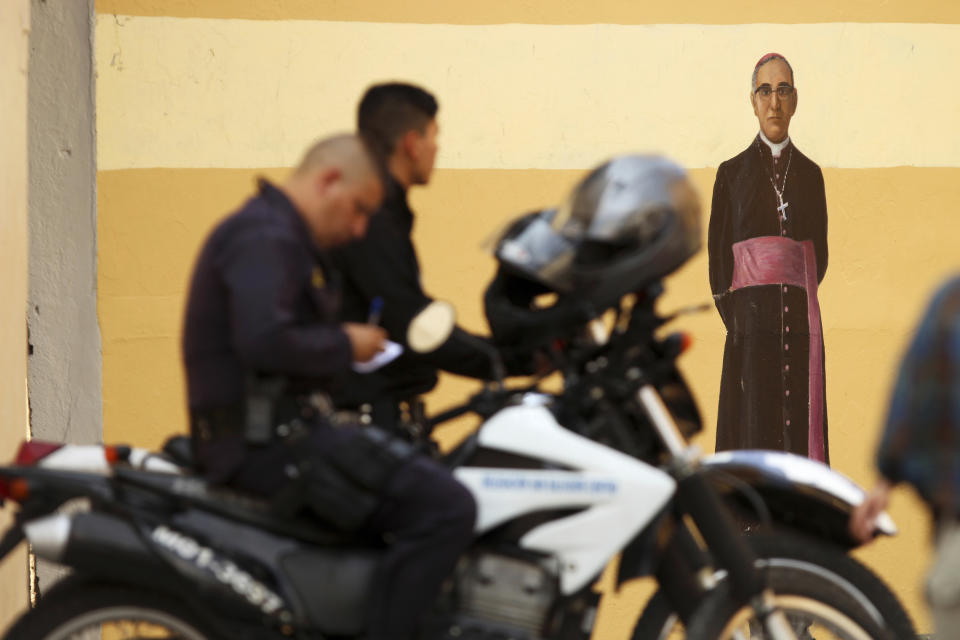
x,y
784,91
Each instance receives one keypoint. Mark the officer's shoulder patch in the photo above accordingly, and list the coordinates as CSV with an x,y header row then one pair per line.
x,y
317,279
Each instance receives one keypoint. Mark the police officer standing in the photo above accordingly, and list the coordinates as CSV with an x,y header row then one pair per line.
x,y
382,272
260,346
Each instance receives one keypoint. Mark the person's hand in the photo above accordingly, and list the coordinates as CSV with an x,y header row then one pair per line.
x,y
366,340
863,520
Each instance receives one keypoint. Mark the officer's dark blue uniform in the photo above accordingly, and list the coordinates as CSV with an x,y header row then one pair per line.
x,y
262,309
384,265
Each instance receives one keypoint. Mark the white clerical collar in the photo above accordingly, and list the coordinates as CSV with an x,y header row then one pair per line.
x,y
775,147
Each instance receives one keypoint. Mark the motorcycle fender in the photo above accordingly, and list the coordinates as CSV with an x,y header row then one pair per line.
x,y
800,493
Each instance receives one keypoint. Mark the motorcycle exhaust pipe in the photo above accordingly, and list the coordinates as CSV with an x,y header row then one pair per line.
x,y
96,544
48,535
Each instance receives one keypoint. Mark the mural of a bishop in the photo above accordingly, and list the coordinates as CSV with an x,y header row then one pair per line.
x,y
768,253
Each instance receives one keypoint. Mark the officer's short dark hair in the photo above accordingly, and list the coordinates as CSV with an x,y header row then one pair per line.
x,y
387,111
349,151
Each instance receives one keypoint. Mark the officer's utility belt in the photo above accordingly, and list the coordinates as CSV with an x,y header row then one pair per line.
x,y
404,418
261,419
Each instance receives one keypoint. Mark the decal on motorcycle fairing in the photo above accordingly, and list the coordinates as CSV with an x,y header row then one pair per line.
x,y
225,571
521,482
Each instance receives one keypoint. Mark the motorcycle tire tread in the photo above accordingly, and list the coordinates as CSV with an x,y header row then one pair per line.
x,y
719,607
657,614
804,547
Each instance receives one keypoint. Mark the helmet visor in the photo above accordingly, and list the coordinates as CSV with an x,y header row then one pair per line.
x,y
538,250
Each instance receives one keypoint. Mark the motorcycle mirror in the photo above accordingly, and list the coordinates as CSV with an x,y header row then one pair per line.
x,y
430,328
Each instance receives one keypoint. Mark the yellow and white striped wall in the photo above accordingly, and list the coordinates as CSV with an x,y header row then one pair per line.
x,y
196,98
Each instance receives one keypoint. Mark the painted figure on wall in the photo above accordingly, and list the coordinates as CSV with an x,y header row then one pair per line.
x,y
768,253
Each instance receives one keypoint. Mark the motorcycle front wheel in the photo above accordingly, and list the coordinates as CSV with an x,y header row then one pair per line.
x,y
822,589
80,610
812,608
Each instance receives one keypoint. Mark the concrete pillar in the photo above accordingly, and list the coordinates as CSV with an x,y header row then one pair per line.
x,y
64,366
64,369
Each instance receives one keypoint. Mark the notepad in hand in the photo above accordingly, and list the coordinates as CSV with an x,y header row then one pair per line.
x,y
391,352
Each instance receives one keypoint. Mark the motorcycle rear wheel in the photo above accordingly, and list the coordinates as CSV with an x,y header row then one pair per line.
x,y
81,610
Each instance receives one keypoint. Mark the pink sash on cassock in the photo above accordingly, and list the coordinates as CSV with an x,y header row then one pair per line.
x,y
774,260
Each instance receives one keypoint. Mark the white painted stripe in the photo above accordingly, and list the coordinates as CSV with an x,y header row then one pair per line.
x,y
196,93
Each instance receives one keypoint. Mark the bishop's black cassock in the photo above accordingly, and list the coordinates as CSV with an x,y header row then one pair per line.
x,y
768,253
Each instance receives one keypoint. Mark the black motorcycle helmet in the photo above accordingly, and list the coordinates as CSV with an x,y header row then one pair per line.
x,y
627,224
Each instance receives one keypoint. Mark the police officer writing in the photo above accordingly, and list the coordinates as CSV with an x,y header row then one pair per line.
x,y
399,121
261,345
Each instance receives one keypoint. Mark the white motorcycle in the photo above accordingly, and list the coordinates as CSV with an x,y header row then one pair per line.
x,y
564,484
156,552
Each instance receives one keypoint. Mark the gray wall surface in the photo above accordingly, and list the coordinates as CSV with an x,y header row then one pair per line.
x,y
64,374
64,366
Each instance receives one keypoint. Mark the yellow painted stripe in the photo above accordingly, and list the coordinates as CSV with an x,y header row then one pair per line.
x,y
882,264
237,93
546,11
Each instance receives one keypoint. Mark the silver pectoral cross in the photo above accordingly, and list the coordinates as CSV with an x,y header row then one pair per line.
x,y
783,209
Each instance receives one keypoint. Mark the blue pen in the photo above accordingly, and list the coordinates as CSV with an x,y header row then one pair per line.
x,y
376,306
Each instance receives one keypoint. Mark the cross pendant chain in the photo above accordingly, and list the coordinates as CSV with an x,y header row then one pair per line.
x,y
783,206
782,209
